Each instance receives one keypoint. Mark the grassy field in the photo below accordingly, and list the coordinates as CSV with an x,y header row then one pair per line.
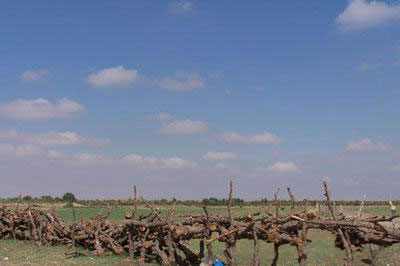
x,y
321,251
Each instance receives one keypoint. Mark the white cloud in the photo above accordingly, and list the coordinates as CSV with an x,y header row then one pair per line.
x,y
222,166
284,167
114,76
180,7
219,155
184,127
363,14
181,82
10,150
279,167
40,108
368,66
34,75
396,167
90,159
366,145
55,154
157,163
162,117
80,158
65,138
50,138
262,138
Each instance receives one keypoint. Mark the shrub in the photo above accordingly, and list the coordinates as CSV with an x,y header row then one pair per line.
x,y
69,197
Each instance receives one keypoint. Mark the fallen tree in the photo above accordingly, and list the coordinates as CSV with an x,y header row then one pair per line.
x,y
163,239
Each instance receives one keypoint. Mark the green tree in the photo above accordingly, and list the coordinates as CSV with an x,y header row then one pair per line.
x,y
27,198
47,198
69,197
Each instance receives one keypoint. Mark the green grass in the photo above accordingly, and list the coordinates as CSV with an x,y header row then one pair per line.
x,y
117,214
321,251
15,252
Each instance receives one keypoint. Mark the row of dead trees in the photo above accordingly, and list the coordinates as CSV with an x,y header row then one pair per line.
x,y
165,239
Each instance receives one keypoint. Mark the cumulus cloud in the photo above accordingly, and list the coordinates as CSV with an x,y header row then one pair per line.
x,y
182,82
90,159
184,127
366,145
284,167
363,14
10,150
181,7
162,117
80,158
34,75
262,138
38,109
279,167
157,163
50,138
114,76
40,151
134,160
219,155
222,166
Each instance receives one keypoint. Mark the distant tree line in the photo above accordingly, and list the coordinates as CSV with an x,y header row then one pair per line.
x,y
67,197
212,201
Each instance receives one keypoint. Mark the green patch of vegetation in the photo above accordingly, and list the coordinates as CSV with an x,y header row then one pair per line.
x,y
15,252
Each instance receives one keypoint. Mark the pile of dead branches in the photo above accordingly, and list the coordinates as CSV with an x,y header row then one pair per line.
x,y
165,239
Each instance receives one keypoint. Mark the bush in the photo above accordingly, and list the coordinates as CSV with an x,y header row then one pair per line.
x,y
46,198
69,197
27,198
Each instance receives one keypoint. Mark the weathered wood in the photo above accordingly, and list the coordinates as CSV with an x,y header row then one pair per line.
x,y
256,253
160,239
291,200
277,207
349,253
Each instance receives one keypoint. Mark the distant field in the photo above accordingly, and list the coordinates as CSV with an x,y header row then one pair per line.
x,y
321,250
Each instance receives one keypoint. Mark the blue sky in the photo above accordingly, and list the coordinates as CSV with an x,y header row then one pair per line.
x,y
178,97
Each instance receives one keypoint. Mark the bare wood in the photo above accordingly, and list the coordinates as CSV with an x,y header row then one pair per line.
x,y
227,233
73,212
276,256
349,253
19,201
276,203
210,253
256,254
143,248
361,207
166,240
161,253
155,212
129,229
291,199
302,244
130,243
230,201
230,246
134,202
